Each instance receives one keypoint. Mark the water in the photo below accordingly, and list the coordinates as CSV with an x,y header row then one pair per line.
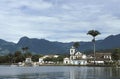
x,y
59,72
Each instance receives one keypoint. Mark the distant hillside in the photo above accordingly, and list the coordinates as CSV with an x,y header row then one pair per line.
x,y
43,46
6,47
110,42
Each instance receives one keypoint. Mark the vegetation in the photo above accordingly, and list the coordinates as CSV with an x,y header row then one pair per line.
x,y
35,57
93,33
76,44
25,49
116,56
19,56
55,60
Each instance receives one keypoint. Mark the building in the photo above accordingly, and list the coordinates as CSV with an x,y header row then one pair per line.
x,y
100,58
76,58
50,56
28,60
41,61
66,61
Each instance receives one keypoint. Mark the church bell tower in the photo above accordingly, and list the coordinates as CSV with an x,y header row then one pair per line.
x,y
72,52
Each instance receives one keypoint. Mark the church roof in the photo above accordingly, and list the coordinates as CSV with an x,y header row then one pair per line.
x,y
78,53
66,58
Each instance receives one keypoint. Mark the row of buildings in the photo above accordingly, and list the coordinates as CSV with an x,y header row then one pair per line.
x,y
76,58
28,61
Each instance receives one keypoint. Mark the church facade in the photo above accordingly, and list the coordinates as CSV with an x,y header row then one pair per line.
x,y
76,58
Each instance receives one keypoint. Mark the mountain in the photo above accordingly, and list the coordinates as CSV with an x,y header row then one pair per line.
x,y
6,47
111,42
43,46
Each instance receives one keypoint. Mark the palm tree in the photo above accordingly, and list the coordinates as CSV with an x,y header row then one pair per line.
x,y
25,49
93,33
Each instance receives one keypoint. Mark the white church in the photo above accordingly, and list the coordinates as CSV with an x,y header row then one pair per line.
x,y
76,58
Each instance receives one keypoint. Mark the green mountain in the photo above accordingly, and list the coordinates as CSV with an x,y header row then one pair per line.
x,y
43,46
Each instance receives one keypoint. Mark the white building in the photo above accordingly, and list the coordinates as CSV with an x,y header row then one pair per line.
x,y
100,58
41,61
66,61
28,60
76,58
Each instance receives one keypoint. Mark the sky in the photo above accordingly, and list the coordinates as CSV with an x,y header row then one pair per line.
x,y
58,20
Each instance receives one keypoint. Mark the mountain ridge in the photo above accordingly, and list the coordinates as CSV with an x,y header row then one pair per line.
x,y
43,46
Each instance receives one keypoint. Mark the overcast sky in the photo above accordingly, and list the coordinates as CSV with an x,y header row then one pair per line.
x,y
58,20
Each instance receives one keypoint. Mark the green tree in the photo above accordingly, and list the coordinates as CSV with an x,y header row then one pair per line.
x,y
2,59
36,57
18,57
10,57
93,33
76,44
47,59
60,58
25,49
28,54
116,54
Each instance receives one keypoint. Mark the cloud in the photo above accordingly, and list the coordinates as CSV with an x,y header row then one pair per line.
x,y
58,20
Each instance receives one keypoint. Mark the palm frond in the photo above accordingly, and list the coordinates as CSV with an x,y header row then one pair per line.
x,y
93,33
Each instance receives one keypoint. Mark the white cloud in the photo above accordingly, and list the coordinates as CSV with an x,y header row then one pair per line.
x,y
58,20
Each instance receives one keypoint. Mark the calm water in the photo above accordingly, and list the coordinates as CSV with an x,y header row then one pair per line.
x,y
59,72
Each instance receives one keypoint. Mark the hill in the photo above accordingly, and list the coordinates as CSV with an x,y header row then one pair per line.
x,y
43,46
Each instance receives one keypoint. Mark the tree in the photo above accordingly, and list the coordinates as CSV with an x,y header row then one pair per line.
x,y
36,57
18,57
76,44
28,54
60,58
10,57
47,59
25,49
116,54
93,33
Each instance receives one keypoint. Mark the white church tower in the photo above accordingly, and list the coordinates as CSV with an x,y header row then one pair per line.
x,y
72,53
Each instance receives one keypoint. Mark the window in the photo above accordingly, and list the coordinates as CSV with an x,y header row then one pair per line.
x,y
71,50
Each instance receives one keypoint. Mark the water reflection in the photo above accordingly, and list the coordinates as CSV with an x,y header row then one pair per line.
x,y
95,73
81,73
59,72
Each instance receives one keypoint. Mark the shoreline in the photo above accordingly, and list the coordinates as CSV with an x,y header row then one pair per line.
x,y
77,65
90,65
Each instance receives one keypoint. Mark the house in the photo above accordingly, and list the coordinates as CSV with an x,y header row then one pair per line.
x,y
50,56
28,60
76,58
41,61
100,58
66,61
